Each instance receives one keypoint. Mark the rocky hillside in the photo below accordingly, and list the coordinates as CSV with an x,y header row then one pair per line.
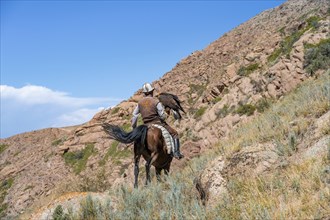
x,y
230,84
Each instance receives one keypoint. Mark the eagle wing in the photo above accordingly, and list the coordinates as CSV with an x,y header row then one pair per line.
x,y
172,102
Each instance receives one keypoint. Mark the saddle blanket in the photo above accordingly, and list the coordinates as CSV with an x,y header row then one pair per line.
x,y
167,137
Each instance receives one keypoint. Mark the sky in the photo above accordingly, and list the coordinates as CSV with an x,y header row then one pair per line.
x,y
64,61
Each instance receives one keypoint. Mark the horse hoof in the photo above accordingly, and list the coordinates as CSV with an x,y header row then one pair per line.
x,y
178,156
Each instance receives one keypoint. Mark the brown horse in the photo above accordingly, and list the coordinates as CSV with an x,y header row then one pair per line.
x,y
149,143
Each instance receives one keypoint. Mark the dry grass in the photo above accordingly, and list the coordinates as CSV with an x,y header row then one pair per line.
x,y
295,192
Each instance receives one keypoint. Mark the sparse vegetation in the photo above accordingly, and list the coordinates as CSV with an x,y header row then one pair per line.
x,y
317,56
216,100
200,112
312,98
287,44
4,187
263,104
127,127
115,154
274,56
197,90
224,111
115,110
59,214
245,71
58,142
246,109
77,160
293,192
313,22
3,147
282,30
89,209
189,135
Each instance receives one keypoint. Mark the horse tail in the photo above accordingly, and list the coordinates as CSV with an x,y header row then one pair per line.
x,y
138,134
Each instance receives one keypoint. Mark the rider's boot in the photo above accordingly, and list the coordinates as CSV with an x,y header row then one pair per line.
x,y
177,153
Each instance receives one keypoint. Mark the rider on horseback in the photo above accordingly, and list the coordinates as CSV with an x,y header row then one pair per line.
x,y
152,112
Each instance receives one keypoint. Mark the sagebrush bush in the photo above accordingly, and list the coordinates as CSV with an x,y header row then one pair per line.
x,y
246,109
263,104
317,57
59,214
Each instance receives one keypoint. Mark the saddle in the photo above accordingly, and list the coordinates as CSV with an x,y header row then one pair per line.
x,y
167,137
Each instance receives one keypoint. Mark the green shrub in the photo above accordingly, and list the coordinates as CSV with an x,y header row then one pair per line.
x,y
4,187
3,147
58,142
115,154
274,56
317,56
287,44
217,99
263,104
89,208
200,112
282,30
58,213
245,71
127,127
313,22
115,110
77,160
247,109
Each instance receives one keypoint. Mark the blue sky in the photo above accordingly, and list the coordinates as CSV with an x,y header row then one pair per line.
x,y
63,61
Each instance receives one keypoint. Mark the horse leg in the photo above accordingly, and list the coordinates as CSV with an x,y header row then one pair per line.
x,y
153,158
136,169
148,165
167,169
158,173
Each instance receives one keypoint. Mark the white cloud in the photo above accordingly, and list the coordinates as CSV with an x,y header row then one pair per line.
x,y
35,107
33,95
76,117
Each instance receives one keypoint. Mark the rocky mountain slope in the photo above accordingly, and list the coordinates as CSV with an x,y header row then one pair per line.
x,y
229,84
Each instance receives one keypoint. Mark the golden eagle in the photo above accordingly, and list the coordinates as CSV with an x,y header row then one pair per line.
x,y
171,102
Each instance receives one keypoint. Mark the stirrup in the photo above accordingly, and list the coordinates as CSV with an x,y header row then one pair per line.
x,y
178,155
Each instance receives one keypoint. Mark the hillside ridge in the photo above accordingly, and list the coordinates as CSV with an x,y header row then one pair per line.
x,y
230,83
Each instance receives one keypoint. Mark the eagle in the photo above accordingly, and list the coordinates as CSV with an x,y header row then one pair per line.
x,y
171,102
